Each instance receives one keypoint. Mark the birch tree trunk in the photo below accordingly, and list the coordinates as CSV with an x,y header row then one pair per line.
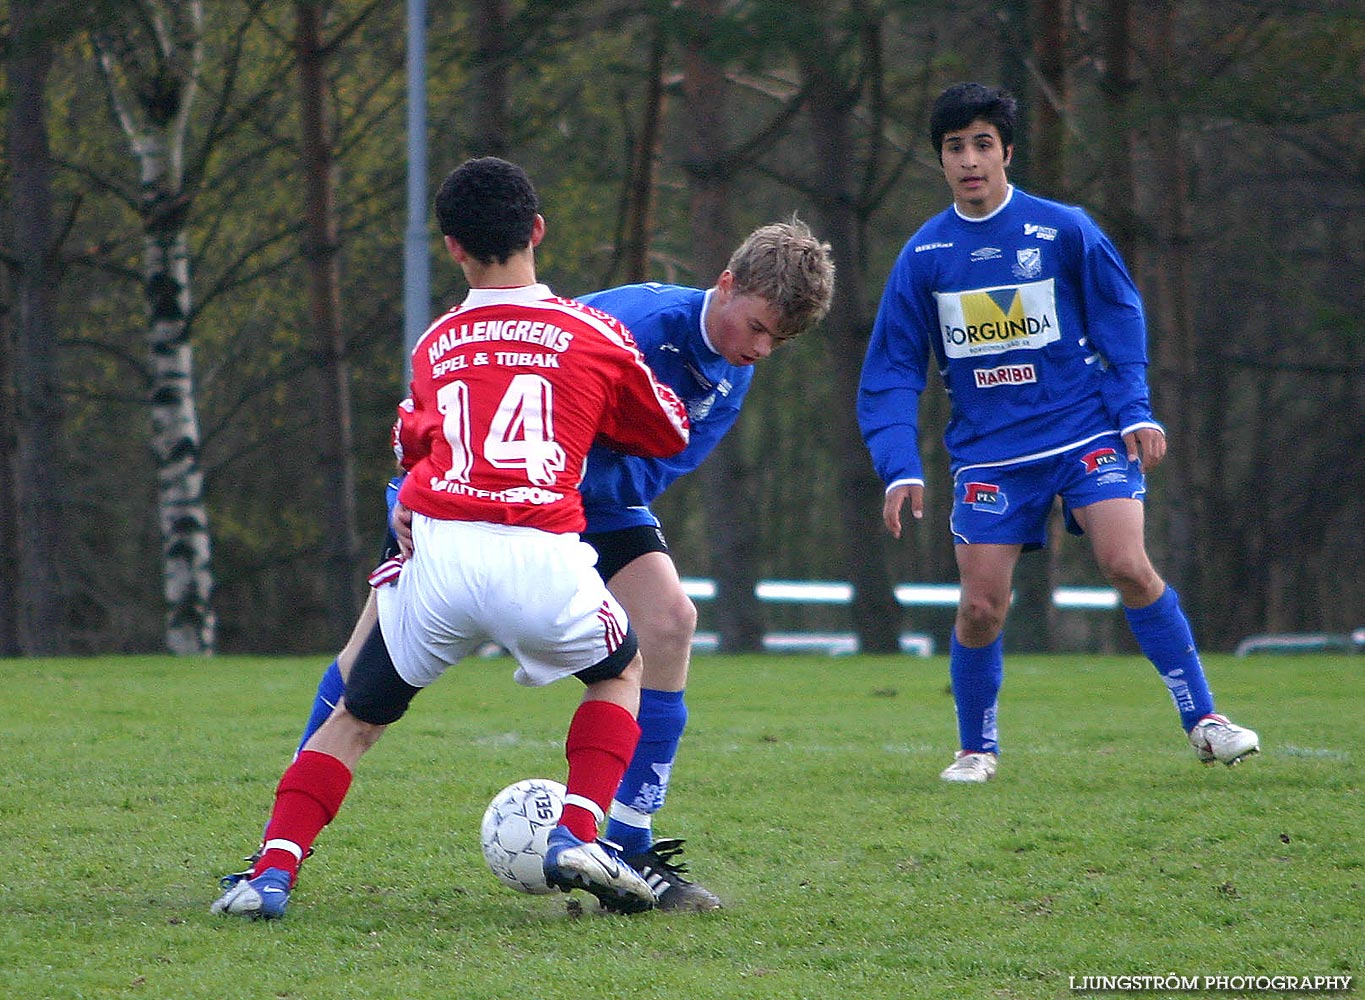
x,y
151,91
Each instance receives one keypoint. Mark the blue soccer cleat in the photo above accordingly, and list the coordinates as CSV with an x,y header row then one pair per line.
x,y
571,863
261,898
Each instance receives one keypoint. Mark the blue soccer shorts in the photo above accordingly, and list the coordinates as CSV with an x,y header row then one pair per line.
x,y
1009,503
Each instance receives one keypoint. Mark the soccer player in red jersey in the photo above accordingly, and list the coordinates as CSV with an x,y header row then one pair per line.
x,y
509,392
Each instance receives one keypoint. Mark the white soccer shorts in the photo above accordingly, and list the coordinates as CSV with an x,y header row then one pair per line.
x,y
468,583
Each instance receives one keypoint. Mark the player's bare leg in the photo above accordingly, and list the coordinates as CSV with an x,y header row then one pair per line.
x,y
665,620
1115,528
976,658
331,686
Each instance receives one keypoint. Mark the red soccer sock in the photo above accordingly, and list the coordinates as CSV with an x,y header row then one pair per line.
x,y
308,796
601,741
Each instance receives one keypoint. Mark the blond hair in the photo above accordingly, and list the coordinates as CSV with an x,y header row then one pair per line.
x,y
784,264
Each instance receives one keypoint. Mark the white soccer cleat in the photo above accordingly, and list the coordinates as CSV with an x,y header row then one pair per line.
x,y
571,863
261,898
1218,741
973,766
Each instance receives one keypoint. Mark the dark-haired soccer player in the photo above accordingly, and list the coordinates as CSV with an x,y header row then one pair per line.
x,y
703,344
509,392
1031,317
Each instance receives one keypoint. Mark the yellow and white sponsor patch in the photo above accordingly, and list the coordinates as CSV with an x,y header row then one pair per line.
x,y
995,320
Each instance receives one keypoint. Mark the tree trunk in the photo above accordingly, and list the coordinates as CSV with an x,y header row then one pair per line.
x,y
151,93
876,615
33,513
1050,97
1041,29
640,194
9,521
1116,88
731,519
333,410
1174,350
489,111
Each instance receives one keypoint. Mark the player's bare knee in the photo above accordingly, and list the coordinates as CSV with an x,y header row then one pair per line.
x,y
633,671
981,614
1132,575
671,626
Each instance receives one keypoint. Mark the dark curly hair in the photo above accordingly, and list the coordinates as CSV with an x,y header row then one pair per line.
x,y
963,103
489,207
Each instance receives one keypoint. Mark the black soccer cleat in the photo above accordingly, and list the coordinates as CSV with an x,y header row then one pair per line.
x,y
667,876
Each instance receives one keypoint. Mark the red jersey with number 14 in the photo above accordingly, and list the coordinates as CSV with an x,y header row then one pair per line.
x,y
509,391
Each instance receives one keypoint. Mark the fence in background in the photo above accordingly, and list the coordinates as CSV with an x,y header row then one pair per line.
x,y
1303,642
833,592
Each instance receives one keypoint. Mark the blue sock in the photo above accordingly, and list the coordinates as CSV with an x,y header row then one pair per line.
x,y
663,716
330,689
1163,633
977,675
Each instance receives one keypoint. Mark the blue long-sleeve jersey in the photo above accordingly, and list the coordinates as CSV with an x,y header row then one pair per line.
x,y
666,321
1036,328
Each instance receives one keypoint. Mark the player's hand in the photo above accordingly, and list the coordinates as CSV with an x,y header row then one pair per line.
x,y
895,499
1147,444
401,522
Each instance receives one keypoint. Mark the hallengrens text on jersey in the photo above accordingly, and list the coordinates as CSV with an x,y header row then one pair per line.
x,y
523,331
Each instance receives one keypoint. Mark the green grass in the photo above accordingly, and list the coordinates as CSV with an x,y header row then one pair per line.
x,y
807,789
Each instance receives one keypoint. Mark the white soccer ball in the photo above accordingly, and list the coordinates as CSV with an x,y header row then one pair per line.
x,y
514,831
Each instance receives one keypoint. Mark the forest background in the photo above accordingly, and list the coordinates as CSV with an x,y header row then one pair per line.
x,y
202,292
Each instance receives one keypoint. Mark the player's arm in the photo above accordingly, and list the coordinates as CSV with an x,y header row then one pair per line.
x,y
1117,328
411,441
400,523
635,481
647,417
894,501
893,378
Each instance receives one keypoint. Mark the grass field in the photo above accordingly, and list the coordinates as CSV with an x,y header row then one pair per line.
x,y
808,792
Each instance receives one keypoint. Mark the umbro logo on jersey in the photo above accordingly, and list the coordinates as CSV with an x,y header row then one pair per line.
x,y
986,253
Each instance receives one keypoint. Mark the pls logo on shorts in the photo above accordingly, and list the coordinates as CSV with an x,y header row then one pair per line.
x,y
985,497
1102,460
